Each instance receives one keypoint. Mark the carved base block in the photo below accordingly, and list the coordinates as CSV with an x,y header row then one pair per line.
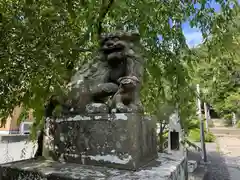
x,y
120,140
166,167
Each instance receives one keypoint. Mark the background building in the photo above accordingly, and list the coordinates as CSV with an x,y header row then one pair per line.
x,y
13,122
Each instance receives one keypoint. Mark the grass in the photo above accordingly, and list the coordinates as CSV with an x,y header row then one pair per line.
x,y
195,135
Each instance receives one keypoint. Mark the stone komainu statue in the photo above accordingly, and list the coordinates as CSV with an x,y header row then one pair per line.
x,y
118,69
110,83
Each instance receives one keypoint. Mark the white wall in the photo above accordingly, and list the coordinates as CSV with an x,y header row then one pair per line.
x,y
15,151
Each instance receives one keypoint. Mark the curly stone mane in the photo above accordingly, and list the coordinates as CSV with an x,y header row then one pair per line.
x,y
118,56
95,71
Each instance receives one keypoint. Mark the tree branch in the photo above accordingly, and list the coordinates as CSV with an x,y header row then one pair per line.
x,y
70,9
102,15
163,126
78,49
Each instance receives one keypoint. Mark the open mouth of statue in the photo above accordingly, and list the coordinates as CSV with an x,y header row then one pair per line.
x,y
112,49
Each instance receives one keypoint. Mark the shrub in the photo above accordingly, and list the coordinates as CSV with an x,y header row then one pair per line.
x,y
227,119
195,136
195,123
238,124
191,124
209,137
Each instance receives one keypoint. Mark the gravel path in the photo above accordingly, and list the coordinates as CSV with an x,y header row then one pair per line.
x,y
218,169
230,149
224,165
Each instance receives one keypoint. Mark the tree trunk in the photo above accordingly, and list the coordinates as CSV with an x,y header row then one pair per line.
x,y
161,138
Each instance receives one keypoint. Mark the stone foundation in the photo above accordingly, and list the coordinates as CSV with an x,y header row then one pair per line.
x,y
118,140
165,167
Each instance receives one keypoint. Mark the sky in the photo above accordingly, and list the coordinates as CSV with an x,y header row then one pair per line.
x,y
193,35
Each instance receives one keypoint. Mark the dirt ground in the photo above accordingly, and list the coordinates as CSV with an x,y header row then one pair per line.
x,y
228,145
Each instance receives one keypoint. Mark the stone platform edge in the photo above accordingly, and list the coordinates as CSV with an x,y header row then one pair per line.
x,y
166,167
100,117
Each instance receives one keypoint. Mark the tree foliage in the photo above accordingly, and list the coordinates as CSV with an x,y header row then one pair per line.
x,y
218,70
43,42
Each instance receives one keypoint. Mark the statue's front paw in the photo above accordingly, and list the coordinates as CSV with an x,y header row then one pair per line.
x,y
97,108
131,108
120,107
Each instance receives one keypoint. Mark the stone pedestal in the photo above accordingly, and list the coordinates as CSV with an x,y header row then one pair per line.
x,y
165,167
120,140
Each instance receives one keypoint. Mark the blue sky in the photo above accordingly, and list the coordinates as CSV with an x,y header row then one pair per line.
x,y
193,35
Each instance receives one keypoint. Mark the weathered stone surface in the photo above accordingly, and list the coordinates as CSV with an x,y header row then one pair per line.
x,y
97,108
119,140
117,69
166,167
113,78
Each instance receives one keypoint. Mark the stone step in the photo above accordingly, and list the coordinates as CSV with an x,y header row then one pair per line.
x,y
198,174
196,170
192,165
227,135
230,131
